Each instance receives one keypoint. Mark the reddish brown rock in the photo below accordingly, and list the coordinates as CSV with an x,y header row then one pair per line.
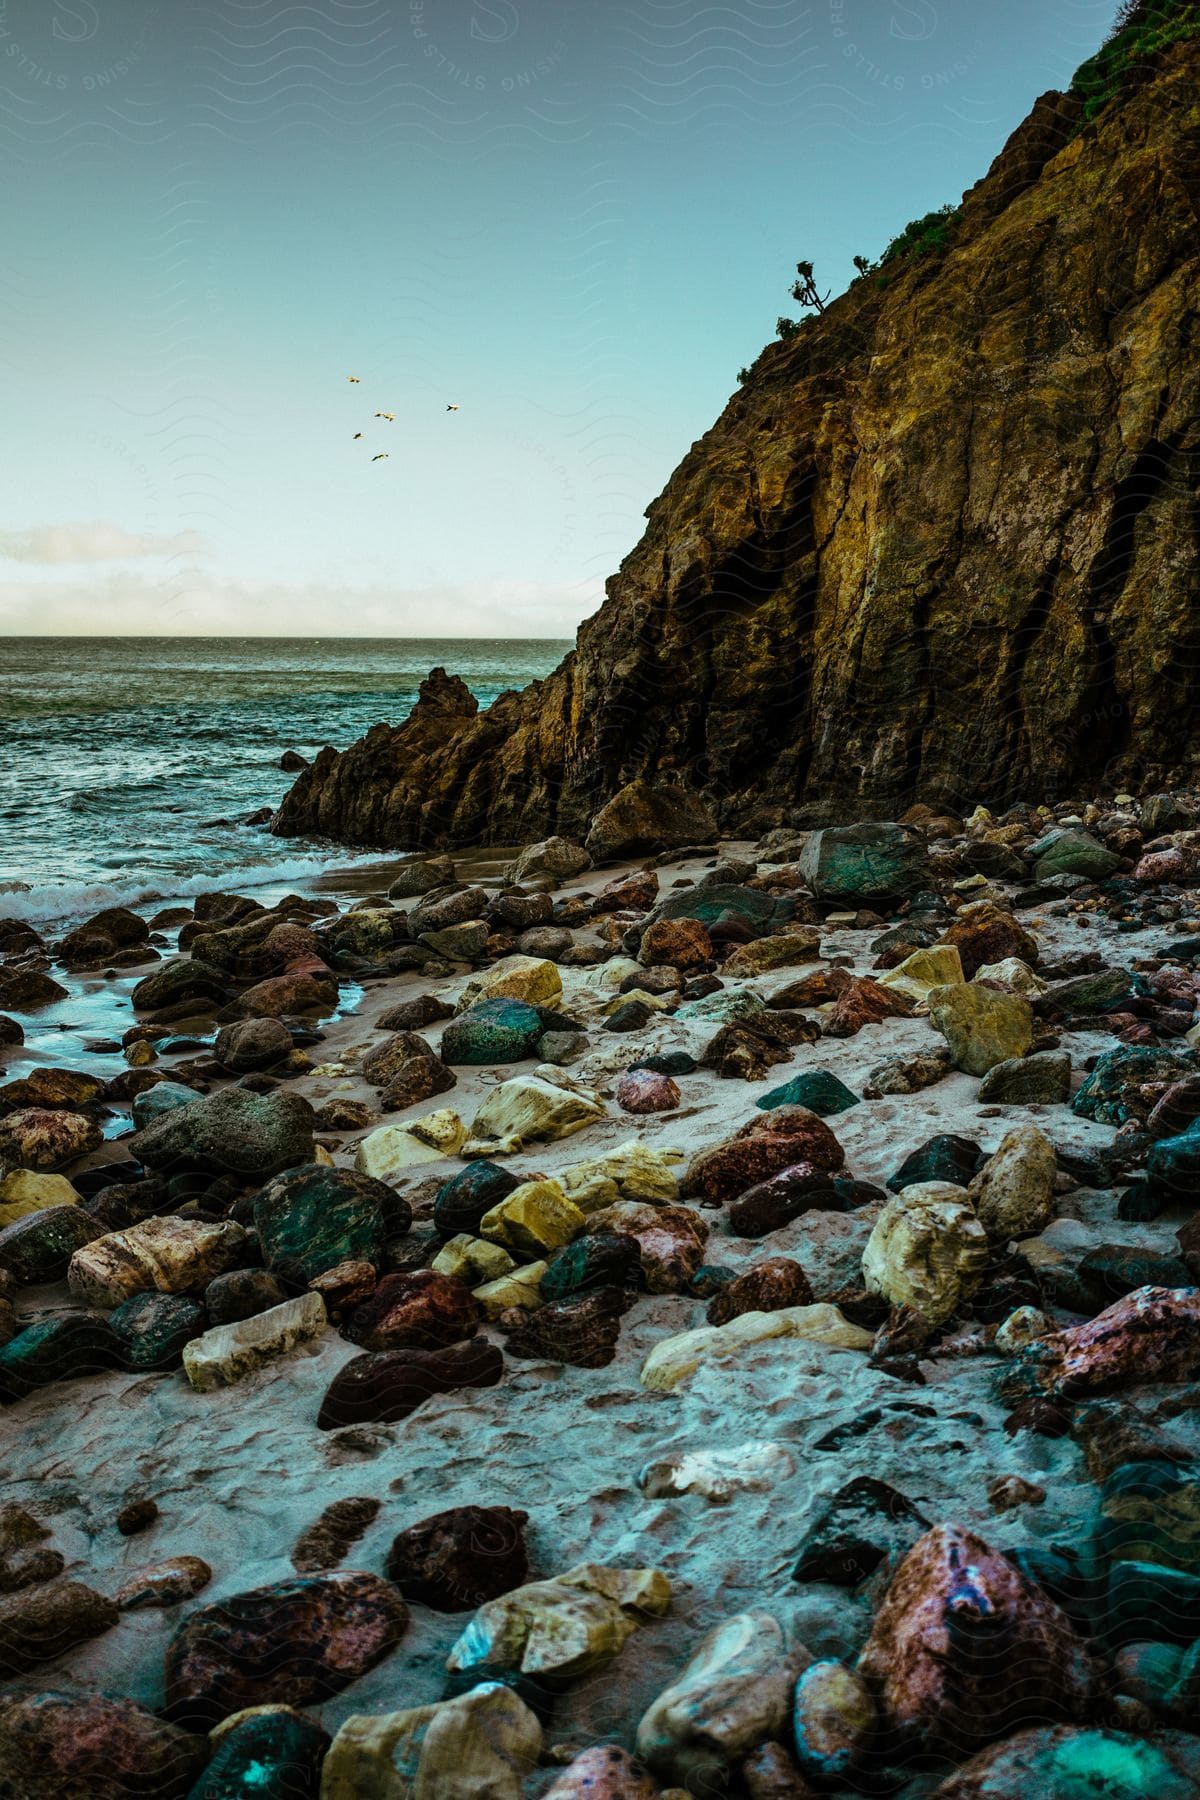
x,y
676,943
817,989
670,1240
866,1002
420,1308
307,988
746,1049
294,1643
327,1541
984,933
346,1286
45,1621
56,1746
767,1286
1152,1334
420,1078
765,1145
581,1332
774,1203
456,1560
605,1772
388,1385
770,1774
643,1091
384,1061
965,1648
628,893
164,1584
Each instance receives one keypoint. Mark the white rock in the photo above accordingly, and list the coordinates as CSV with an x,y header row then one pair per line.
x,y
718,1475
478,1746
676,1358
228,1353
730,1697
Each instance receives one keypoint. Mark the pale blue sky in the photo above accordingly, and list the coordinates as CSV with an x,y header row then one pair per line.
x,y
575,220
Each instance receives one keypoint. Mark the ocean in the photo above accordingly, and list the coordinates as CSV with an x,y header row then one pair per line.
x,y
126,763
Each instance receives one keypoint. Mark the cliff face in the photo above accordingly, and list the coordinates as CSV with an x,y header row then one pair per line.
x,y
943,545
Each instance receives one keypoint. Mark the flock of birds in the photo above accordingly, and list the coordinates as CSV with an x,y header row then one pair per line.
x,y
389,417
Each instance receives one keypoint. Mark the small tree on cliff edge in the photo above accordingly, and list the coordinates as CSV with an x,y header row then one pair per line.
x,y
805,288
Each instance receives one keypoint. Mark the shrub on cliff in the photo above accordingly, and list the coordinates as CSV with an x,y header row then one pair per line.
x,y
1143,28
921,236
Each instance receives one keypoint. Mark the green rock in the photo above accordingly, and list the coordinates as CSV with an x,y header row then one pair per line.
x,y
1150,1600
942,1158
1111,1094
265,1756
607,1259
462,1202
232,1132
1067,1762
39,1247
1173,1164
1103,991
1150,1513
55,1350
164,1097
310,1219
151,1329
726,1004
492,1031
1074,852
817,1089
864,862
763,913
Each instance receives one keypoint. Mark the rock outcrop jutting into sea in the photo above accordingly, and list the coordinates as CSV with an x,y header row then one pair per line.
x,y
942,544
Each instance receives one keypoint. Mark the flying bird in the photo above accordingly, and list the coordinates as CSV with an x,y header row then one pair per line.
x,y
382,457
453,409
357,435
390,417
354,378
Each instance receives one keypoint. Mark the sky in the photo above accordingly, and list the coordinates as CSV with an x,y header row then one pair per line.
x,y
575,220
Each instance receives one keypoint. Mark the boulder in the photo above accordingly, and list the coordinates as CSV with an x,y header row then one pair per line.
x,y
984,933
481,1745
467,1196
1041,1079
37,1137
817,1089
25,1191
649,815
152,1330
857,864
530,979
833,1722
457,1560
581,1332
48,1620
391,1150
252,1044
1064,1762
1014,1191
390,1384
298,1642
492,1031
228,1353
556,858
605,1772
312,1218
416,1308
60,1746
768,1286
163,1255
273,1753
982,1026
39,1246
560,1630
644,1091
761,1148
1073,852
535,1219
530,1108
1152,1334
731,1694
964,1648
56,1349
674,1359
231,1132
670,1240
420,875
927,1251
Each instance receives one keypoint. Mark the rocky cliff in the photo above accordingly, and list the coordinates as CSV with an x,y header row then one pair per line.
x,y
942,545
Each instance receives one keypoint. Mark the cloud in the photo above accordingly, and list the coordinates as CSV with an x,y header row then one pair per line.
x,y
92,541
191,605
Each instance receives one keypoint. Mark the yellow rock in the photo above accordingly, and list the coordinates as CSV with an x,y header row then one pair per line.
x,y
26,1191
392,1148
322,1156
478,1746
140,1053
1016,974
939,966
534,1218
733,1693
785,950
560,1629
639,1172
594,1193
529,1107
521,1288
472,1259
656,1002
982,1025
676,1358
927,1251
526,978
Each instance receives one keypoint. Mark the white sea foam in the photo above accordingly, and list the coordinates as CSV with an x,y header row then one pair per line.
x,y
55,903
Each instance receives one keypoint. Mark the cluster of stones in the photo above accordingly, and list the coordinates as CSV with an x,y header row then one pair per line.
x,y
227,1237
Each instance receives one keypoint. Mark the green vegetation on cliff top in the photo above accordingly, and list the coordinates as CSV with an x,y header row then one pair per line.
x,y
1143,28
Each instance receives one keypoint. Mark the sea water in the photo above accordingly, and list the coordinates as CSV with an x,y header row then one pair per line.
x,y
128,764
